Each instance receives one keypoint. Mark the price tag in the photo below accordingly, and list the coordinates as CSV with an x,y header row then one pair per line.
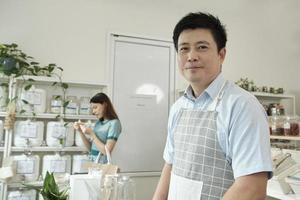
x,y
59,131
25,166
58,166
29,130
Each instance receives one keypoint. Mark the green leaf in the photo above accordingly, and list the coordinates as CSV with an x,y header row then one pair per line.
x,y
27,87
31,80
22,111
54,83
61,69
66,104
64,85
4,84
24,101
50,69
57,116
34,63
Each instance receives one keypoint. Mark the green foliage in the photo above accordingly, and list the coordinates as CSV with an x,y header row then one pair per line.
x,y
15,63
50,190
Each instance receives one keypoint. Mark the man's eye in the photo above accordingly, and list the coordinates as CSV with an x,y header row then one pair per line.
x,y
202,47
183,49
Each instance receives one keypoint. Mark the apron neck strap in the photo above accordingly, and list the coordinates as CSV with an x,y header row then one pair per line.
x,y
218,98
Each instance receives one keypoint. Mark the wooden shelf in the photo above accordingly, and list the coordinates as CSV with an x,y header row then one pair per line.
x,y
284,137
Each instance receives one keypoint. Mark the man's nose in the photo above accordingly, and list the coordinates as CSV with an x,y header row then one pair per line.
x,y
192,56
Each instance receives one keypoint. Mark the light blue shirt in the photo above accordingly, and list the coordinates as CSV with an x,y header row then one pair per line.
x,y
105,130
242,127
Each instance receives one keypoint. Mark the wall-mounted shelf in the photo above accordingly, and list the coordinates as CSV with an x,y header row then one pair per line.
x,y
284,137
50,149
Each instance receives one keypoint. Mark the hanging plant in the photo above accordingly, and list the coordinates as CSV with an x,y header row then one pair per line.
x,y
15,63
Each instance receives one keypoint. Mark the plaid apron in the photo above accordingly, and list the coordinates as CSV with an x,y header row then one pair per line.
x,y
200,169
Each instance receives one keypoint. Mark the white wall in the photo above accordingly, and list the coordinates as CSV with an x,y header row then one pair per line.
x,y
263,35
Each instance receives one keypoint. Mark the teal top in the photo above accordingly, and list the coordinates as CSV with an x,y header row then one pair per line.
x,y
105,130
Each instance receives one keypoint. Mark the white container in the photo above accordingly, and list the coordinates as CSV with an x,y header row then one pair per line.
x,y
57,164
21,195
1,133
72,107
84,106
57,131
78,161
36,97
78,140
28,133
26,166
294,182
3,98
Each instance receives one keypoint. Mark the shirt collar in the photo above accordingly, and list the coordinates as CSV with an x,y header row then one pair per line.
x,y
212,90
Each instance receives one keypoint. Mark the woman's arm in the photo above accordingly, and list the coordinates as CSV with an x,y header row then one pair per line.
x,y
86,142
110,144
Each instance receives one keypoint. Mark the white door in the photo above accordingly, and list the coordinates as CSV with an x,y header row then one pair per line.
x,y
142,92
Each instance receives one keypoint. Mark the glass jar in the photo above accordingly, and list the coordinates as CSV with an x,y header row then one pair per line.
x,y
276,125
109,187
84,106
56,104
291,126
126,188
72,107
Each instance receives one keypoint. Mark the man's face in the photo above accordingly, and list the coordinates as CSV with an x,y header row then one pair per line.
x,y
198,57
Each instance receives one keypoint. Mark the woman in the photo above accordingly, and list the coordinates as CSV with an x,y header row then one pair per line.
x,y
106,131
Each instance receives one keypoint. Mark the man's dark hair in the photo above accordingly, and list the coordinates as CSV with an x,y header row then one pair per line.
x,y
204,21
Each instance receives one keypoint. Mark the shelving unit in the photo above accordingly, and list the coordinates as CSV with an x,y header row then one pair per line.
x,y
287,100
87,89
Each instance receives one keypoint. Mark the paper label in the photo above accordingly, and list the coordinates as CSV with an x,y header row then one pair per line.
x,y
59,131
25,166
58,166
19,197
29,130
33,98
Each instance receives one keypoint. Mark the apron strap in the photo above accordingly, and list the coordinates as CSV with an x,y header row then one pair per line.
x,y
214,104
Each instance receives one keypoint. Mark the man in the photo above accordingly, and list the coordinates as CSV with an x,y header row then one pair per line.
x,y
218,137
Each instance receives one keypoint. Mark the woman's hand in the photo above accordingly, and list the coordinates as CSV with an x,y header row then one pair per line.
x,y
87,130
77,126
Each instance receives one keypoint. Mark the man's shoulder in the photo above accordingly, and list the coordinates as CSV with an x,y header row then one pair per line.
x,y
236,93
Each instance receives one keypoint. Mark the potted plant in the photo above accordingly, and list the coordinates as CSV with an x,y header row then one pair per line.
x,y
50,189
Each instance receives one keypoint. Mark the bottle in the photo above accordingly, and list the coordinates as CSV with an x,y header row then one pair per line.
x,y
276,123
291,126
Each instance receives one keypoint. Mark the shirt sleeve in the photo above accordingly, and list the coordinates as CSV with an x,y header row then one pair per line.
x,y
114,130
249,140
169,148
